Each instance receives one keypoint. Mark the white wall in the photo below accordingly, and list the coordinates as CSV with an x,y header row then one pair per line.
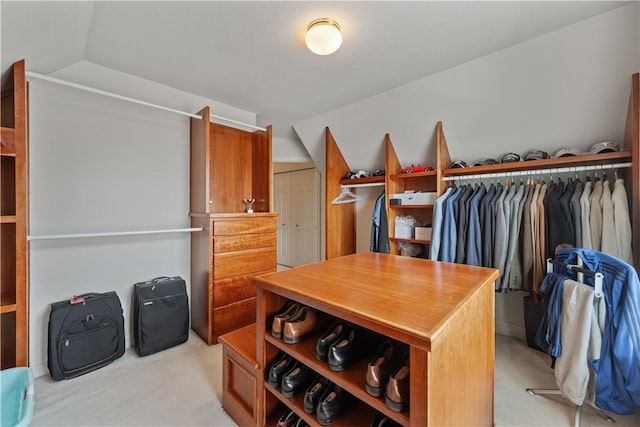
x,y
569,87
100,164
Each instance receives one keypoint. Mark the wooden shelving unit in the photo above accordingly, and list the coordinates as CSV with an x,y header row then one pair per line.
x,y
398,182
14,280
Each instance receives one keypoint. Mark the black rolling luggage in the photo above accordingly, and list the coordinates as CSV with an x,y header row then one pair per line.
x,y
85,333
160,314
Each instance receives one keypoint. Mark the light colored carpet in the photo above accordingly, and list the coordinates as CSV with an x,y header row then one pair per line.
x,y
182,386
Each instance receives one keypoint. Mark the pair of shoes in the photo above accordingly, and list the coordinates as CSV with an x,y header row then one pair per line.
x,y
379,369
351,346
382,420
314,393
331,404
305,321
288,419
280,367
289,311
396,394
329,337
296,380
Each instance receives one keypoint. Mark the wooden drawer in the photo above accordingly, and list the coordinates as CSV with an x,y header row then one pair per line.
x,y
227,291
239,263
233,316
241,242
256,225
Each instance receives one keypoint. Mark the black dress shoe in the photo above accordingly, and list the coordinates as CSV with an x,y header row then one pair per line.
x,y
279,368
288,419
328,338
296,380
301,423
382,420
351,346
331,404
313,394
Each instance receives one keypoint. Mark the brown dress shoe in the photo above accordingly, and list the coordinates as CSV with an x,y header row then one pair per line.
x,y
305,322
289,312
288,419
379,369
396,395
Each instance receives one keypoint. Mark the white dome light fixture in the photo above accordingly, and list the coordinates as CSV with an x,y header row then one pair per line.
x,y
323,36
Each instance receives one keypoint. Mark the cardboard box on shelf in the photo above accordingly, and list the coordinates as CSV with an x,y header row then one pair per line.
x,y
422,233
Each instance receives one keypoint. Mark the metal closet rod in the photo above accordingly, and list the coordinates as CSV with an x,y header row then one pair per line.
x,y
136,101
539,171
111,234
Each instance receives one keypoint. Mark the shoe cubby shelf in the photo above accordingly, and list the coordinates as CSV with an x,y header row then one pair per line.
x,y
351,379
442,312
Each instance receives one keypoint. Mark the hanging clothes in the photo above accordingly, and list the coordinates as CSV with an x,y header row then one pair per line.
x,y
622,223
436,224
474,229
585,207
379,227
574,204
609,242
595,216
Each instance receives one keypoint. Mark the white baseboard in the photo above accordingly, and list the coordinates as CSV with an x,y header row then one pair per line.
x,y
510,330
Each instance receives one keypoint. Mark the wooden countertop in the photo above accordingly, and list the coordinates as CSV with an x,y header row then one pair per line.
x,y
405,298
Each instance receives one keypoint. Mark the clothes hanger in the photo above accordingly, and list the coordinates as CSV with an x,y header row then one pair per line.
x,y
345,196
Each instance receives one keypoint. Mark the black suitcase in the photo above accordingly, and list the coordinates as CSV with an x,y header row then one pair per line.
x,y
85,334
160,314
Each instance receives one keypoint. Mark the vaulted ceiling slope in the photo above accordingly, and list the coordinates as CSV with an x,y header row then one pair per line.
x,y
251,54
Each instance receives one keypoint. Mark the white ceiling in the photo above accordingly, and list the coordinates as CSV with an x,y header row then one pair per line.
x,y
251,54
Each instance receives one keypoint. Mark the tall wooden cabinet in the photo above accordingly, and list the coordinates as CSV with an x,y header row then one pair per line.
x,y
451,343
227,166
14,220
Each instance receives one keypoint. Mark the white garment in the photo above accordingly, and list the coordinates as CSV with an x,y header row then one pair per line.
x,y
585,211
572,365
609,242
621,221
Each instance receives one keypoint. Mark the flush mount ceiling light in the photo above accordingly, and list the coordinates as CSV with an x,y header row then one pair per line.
x,y
323,36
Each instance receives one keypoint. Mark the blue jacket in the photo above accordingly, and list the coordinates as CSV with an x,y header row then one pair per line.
x,y
618,369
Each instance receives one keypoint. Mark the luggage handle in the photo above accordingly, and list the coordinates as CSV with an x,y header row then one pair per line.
x,y
80,299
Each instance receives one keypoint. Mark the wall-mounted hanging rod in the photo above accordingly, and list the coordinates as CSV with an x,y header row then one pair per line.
x,y
111,234
368,184
224,119
568,169
133,100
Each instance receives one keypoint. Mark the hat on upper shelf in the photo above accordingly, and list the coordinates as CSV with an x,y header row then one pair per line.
x,y
536,155
567,151
486,161
458,164
510,158
604,147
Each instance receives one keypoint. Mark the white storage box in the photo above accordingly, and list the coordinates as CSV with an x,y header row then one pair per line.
x,y
422,233
420,198
403,232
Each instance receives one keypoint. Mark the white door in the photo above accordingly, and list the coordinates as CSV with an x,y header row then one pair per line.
x,y
296,198
305,216
282,204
